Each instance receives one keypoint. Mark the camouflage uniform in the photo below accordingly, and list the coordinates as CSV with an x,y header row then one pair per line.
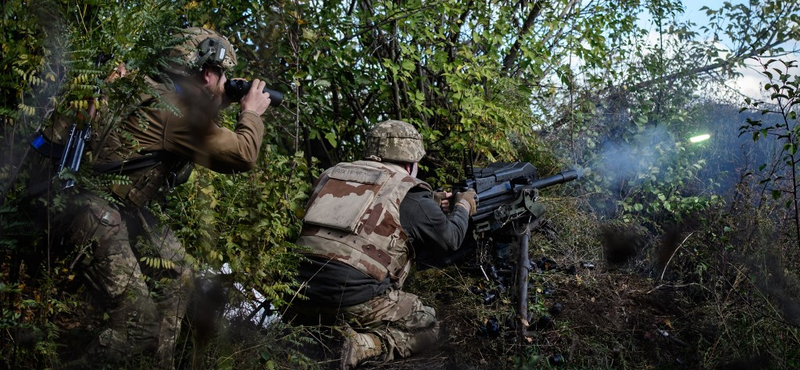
x,y
400,321
357,243
136,267
145,313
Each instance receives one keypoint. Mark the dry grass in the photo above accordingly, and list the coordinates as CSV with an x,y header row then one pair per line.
x,y
709,311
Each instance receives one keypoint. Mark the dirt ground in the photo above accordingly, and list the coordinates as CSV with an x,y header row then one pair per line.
x,y
621,312
598,319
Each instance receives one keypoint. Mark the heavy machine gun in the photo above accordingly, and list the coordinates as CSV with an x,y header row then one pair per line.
x,y
507,211
508,191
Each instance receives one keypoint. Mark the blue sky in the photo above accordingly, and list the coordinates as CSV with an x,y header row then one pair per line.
x,y
693,12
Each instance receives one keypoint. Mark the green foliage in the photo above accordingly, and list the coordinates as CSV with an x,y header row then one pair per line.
x,y
246,221
50,70
779,177
467,82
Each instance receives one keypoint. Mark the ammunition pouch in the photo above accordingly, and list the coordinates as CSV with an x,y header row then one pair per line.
x,y
144,189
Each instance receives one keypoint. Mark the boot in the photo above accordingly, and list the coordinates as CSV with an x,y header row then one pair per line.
x,y
358,348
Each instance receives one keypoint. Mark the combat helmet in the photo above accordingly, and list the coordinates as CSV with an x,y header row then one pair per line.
x,y
197,47
394,141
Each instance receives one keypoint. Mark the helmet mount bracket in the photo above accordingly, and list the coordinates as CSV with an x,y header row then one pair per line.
x,y
211,51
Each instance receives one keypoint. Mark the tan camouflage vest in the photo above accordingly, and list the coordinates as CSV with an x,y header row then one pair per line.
x,y
354,217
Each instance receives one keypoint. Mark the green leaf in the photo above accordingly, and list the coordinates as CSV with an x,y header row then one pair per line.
x,y
331,137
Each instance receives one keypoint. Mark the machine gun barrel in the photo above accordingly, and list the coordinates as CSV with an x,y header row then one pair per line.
x,y
556,179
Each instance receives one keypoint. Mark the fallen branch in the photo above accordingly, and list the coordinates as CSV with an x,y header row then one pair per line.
x,y
673,254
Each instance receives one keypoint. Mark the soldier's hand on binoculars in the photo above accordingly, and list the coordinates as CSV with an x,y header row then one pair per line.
x,y
256,100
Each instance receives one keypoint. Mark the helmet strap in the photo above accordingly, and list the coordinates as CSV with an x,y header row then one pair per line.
x,y
414,169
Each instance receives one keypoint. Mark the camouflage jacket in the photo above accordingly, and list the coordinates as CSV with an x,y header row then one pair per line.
x,y
178,122
354,217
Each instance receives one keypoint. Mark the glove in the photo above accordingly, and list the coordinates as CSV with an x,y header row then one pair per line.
x,y
467,200
439,196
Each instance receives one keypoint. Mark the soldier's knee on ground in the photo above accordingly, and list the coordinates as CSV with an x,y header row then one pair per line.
x,y
415,333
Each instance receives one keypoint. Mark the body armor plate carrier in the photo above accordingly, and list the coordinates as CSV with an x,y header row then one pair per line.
x,y
354,217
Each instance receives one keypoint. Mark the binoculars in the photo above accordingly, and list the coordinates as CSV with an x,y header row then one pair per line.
x,y
237,89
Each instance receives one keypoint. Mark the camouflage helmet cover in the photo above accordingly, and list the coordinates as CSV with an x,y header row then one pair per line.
x,y
394,141
198,47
